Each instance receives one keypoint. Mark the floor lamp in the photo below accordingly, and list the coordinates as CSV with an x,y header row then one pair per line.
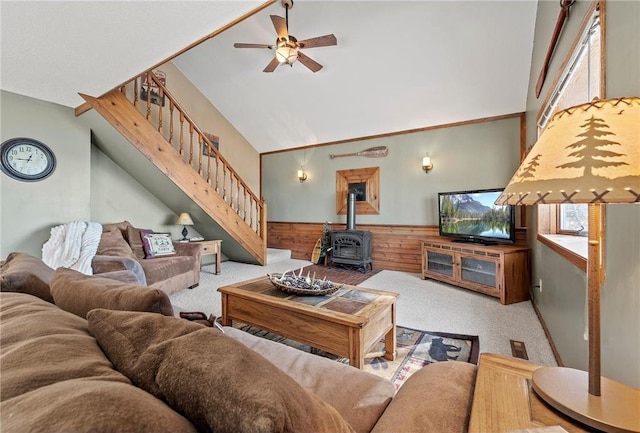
x,y
588,154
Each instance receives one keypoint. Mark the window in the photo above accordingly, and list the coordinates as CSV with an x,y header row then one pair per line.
x,y
573,219
579,82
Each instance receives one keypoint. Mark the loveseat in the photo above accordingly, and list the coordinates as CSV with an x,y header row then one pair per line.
x,y
110,356
121,248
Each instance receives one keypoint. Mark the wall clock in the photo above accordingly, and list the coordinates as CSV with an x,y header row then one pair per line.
x,y
26,159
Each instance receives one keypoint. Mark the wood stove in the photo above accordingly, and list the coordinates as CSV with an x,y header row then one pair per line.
x,y
351,247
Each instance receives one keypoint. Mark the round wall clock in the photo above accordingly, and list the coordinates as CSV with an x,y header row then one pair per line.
x,y
26,159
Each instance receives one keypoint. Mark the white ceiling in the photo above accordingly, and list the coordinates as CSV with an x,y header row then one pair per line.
x,y
53,50
398,65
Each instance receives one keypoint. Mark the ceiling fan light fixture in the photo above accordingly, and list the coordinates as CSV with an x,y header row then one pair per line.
x,y
286,54
287,46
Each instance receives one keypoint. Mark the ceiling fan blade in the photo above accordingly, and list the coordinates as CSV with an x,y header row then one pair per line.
x,y
273,64
309,62
281,26
241,45
320,41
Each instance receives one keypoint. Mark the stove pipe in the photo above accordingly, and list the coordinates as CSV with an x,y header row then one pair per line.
x,y
351,211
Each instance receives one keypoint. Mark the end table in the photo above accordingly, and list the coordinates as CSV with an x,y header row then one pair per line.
x,y
210,248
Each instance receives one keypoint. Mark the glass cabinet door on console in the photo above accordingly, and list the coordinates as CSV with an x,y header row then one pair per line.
x,y
482,273
440,263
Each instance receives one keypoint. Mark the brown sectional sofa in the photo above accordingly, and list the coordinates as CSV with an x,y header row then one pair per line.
x,y
121,248
110,356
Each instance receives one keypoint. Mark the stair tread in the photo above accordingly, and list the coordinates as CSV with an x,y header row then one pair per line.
x,y
276,255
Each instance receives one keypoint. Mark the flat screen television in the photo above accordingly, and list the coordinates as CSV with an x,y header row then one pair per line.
x,y
472,216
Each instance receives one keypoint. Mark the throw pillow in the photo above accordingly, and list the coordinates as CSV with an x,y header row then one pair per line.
x,y
24,273
135,236
78,294
157,245
218,383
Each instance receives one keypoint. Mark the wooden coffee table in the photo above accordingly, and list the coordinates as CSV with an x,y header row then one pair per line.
x,y
346,323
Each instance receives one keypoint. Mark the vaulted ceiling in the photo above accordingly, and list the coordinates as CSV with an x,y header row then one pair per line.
x,y
398,65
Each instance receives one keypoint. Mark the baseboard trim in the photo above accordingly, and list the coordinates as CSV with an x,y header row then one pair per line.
x,y
556,354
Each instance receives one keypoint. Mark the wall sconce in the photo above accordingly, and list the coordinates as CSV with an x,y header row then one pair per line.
x,y
302,176
427,165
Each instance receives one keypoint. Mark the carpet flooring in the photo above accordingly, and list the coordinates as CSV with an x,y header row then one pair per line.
x,y
415,349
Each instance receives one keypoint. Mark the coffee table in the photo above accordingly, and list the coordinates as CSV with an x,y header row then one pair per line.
x,y
346,323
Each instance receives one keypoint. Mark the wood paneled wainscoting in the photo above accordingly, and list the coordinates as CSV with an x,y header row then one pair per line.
x,y
394,247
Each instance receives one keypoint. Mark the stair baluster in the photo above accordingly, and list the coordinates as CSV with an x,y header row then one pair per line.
x,y
171,122
181,150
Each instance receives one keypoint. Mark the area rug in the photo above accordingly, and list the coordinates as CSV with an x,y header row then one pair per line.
x,y
339,274
415,349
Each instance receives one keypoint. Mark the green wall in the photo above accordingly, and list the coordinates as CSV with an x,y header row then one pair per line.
x,y
116,196
86,185
474,156
28,210
562,300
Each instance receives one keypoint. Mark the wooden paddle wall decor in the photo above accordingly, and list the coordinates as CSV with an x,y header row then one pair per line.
x,y
372,152
565,5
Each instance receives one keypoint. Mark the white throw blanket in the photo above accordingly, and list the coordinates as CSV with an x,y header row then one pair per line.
x,y
72,245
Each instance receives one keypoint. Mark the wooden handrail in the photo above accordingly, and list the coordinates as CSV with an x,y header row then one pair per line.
x,y
211,148
233,189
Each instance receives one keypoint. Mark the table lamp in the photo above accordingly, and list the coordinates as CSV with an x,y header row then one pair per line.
x,y
588,154
184,220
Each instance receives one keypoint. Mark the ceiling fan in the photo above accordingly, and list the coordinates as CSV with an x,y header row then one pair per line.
x,y
288,47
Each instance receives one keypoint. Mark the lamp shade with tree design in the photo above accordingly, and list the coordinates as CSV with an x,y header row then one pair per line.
x,y
587,154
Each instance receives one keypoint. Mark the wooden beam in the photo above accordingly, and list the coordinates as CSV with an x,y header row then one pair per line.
x,y
85,107
406,131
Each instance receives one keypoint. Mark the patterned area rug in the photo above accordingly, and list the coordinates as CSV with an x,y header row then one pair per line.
x,y
415,349
338,274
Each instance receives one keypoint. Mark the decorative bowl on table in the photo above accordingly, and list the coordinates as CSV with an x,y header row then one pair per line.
x,y
289,282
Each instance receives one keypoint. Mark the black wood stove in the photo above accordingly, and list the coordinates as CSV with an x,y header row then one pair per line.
x,y
351,247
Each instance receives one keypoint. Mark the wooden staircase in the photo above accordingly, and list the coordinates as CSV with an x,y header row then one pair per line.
x,y
167,137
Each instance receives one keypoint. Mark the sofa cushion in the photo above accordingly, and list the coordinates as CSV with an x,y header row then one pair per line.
x,y
54,377
218,383
113,242
23,273
437,398
135,240
157,245
122,226
163,268
79,293
87,405
368,394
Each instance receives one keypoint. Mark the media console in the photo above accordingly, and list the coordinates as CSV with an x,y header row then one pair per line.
x,y
501,271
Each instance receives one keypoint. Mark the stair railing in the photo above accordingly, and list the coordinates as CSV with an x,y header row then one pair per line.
x,y
195,148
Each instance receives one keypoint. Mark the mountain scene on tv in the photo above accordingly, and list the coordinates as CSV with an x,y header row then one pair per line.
x,y
475,215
